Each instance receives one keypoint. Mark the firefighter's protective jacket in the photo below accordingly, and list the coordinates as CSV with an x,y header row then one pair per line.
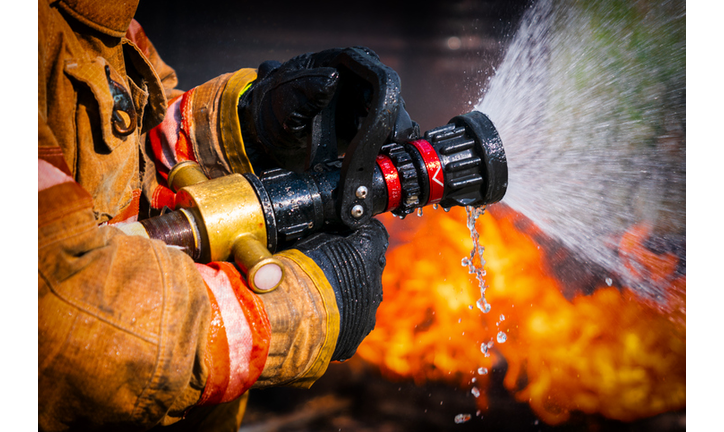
x,y
133,334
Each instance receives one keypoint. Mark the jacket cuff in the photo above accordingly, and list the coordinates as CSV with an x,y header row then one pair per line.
x,y
305,324
203,125
232,142
319,366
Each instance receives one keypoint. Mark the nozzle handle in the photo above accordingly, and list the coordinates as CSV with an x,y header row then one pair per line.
x,y
360,71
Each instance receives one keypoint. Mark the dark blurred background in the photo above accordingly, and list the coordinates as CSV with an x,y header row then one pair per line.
x,y
444,52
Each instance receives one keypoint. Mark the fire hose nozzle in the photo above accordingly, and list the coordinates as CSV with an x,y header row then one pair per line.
x,y
460,164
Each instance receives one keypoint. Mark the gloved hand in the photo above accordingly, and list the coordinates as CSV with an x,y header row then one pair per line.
x,y
353,266
276,113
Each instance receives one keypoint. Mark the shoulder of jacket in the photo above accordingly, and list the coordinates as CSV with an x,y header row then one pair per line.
x,y
108,17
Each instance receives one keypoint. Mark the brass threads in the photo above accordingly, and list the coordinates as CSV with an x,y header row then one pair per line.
x,y
194,231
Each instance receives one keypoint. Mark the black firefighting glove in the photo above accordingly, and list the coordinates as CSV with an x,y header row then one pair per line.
x,y
353,265
276,113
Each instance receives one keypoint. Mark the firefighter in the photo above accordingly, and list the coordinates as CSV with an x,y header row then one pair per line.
x,y
132,334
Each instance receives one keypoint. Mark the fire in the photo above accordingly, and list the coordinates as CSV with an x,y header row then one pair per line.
x,y
608,353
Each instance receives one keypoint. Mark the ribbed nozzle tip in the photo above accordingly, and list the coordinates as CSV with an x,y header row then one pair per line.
x,y
490,149
473,160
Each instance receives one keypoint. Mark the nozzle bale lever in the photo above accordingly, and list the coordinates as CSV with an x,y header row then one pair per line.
x,y
248,217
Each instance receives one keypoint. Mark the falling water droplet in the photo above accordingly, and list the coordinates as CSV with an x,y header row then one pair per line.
x,y
482,371
502,337
435,206
419,212
475,391
462,418
465,262
502,317
609,281
484,349
483,305
446,209
473,380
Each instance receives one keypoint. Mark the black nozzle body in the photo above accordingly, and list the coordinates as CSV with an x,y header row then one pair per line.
x,y
460,164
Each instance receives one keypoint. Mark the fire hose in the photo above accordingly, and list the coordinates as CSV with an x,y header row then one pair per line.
x,y
249,216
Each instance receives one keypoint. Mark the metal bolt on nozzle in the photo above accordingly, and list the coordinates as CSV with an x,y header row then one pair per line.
x,y
357,211
361,192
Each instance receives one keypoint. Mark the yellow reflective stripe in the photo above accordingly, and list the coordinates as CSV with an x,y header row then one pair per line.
x,y
330,306
231,140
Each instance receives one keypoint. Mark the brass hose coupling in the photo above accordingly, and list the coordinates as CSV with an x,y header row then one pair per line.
x,y
227,220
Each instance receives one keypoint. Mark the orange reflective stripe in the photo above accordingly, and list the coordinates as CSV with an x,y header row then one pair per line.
x,y
247,327
183,148
49,175
54,156
130,212
216,357
257,319
163,197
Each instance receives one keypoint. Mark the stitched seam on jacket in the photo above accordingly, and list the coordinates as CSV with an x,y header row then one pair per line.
x,y
67,234
51,217
155,377
82,307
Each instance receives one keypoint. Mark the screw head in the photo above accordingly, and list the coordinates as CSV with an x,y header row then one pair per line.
x,y
361,192
357,211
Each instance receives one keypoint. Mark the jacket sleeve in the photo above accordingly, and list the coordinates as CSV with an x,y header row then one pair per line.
x,y
130,332
122,321
202,125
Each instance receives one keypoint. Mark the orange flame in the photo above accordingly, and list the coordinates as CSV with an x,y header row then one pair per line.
x,y
609,353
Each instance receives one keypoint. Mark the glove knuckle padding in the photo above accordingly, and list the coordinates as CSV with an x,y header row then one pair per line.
x,y
266,68
279,108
